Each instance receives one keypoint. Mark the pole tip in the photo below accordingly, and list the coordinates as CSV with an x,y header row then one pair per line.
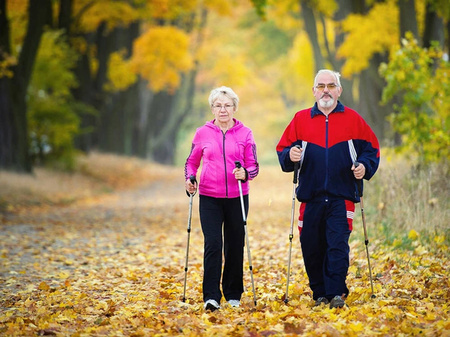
x,y
286,301
373,296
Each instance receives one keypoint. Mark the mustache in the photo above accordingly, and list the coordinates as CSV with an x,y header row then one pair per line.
x,y
326,95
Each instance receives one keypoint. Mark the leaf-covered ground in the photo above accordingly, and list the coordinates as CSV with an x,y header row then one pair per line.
x,y
115,266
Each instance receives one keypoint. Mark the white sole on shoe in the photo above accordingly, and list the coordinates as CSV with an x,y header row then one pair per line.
x,y
212,305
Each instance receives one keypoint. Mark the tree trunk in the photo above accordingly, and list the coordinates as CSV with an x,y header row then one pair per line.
x,y
83,93
117,116
434,27
170,110
311,29
140,122
90,90
345,8
6,117
164,132
15,147
370,90
65,15
408,22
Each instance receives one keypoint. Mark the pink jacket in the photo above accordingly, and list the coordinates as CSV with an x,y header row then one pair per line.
x,y
219,152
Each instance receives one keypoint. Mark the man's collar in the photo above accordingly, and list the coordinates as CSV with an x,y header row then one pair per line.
x,y
315,110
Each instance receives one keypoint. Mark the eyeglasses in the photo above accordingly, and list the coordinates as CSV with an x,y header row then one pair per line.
x,y
330,86
226,106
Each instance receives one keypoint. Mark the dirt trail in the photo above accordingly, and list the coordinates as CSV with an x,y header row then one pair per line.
x,y
114,265
147,220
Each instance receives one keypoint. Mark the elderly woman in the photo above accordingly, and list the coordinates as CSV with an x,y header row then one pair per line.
x,y
220,143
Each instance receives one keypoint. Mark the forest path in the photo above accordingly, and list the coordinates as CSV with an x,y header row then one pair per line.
x,y
142,223
114,265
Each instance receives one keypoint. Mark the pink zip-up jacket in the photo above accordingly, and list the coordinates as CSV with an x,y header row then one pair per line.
x,y
219,152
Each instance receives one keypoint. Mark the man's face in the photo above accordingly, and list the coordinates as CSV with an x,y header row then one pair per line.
x,y
326,91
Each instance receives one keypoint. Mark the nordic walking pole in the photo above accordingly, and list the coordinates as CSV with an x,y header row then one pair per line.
x,y
291,233
244,218
366,238
191,196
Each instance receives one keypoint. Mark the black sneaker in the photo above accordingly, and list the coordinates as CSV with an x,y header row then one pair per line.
x,y
337,302
212,305
321,300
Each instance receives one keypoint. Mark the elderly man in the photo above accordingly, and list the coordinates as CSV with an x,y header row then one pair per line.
x,y
327,139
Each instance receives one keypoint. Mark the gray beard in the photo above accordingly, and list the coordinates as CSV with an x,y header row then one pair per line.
x,y
326,104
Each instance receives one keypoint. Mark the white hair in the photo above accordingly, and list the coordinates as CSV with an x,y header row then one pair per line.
x,y
331,72
223,91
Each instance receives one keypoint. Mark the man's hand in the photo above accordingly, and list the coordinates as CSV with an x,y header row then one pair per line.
x,y
295,154
359,171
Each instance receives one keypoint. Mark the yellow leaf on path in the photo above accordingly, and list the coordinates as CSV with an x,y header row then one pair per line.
x,y
439,239
413,235
63,275
43,286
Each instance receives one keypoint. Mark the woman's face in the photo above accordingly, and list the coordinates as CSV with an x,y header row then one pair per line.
x,y
223,109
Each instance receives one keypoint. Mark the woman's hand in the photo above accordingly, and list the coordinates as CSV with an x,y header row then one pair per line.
x,y
190,187
239,173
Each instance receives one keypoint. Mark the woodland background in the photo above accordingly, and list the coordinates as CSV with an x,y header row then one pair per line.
x,y
99,101
132,77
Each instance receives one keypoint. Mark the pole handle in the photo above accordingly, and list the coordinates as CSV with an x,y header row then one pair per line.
x,y
359,181
296,167
192,179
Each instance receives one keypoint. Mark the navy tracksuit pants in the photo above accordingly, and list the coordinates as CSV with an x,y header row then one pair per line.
x,y
325,226
215,213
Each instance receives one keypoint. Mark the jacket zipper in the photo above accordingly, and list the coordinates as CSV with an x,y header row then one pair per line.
x,y
326,152
225,163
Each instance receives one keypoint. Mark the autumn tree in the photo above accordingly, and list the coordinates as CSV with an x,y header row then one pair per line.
x,y
133,69
363,35
15,75
421,78
53,114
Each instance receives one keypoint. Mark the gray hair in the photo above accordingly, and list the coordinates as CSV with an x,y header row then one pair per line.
x,y
331,72
225,91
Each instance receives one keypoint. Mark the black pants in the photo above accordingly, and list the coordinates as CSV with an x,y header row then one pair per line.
x,y
215,212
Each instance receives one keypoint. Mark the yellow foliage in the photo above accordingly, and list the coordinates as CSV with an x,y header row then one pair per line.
x,y
113,13
284,14
219,6
375,32
18,18
5,65
120,73
296,70
230,70
327,7
169,9
160,55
